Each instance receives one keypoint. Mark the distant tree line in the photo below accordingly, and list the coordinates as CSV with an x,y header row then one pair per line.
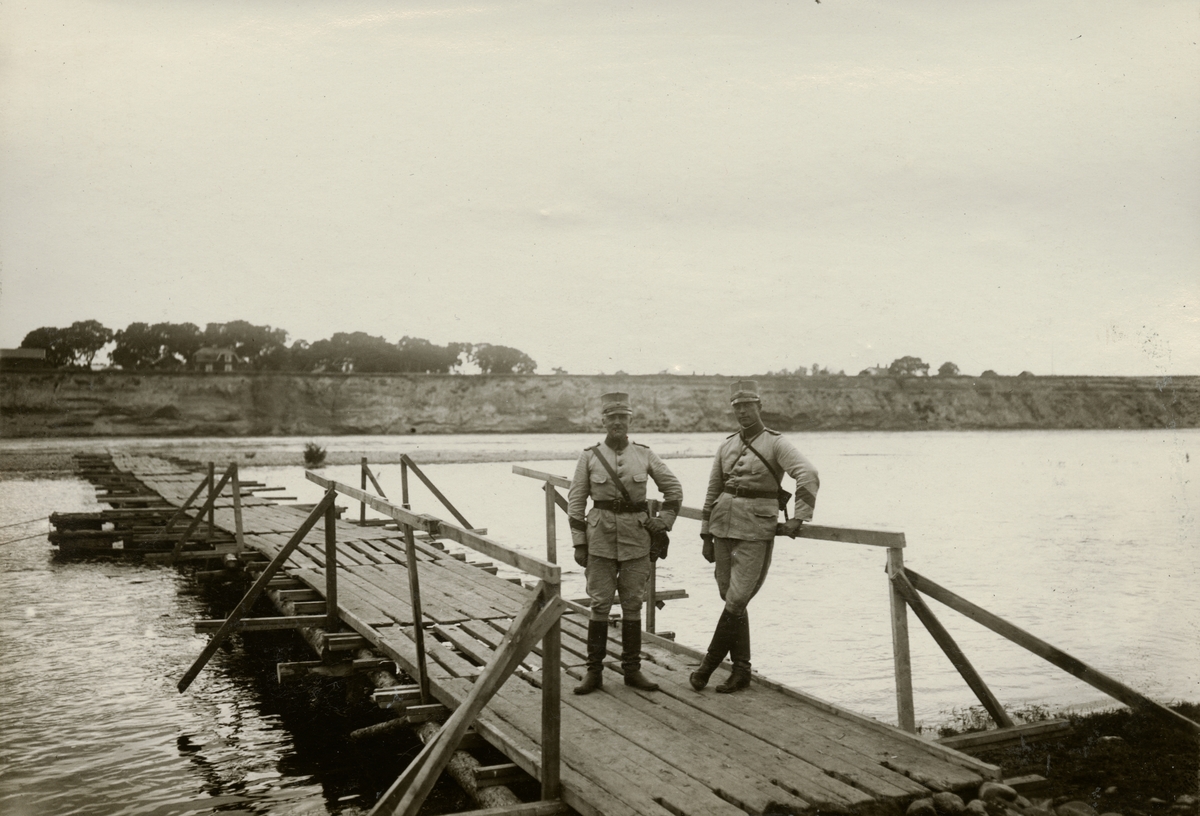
x,y
907,366
170,346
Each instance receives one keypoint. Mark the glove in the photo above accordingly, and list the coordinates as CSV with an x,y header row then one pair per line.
x,y
581,556
791,527
707,550
655,525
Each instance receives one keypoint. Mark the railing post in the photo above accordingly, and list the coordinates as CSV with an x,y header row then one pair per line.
x,y
414,589
331,600
551,694
239,534
651,599
404,485
212,480
901,658
551,528
362,505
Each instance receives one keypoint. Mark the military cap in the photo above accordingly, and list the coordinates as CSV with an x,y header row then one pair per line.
x,y
744,391
615,403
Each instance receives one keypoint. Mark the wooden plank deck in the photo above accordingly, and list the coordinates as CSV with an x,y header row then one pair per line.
x,y
766,750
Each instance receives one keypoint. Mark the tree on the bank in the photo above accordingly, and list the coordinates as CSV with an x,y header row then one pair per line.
x,y
908,367
259,346
76,346
142,346
364,353
502,360
418,354
948,369
162,345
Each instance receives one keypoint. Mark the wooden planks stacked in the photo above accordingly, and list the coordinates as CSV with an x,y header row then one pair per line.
x,y
624,752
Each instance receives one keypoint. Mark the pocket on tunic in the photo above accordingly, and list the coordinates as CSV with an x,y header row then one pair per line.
x,y
765,508
599,478
640,478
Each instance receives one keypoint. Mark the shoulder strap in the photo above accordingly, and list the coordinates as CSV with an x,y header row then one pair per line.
x,y
783,494
620,486
754,450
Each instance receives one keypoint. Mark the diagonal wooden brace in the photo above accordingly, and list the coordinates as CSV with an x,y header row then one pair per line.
x,y
925,615
257,589
206,507
1056,656
410,789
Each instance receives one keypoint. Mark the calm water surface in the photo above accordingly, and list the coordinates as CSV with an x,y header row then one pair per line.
x,y
1087,539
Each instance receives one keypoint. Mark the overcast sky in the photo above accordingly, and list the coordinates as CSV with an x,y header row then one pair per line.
x,y
698,186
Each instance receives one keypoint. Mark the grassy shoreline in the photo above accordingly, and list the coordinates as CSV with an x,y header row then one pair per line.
x,y
1117,760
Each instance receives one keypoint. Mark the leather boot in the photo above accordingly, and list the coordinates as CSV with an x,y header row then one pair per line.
x,y
597,649
717,649
739,653
631,656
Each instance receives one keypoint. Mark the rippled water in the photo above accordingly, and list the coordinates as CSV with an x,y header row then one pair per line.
x,y
1087,539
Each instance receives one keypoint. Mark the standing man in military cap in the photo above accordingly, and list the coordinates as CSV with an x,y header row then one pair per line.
x,y
613,541
738,525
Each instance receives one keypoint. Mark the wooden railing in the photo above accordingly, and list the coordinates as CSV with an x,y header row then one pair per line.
x,y
905,591
537,622
208,509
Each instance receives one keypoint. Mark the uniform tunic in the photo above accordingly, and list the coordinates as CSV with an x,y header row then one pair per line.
x,y
606,533
743,526
726,515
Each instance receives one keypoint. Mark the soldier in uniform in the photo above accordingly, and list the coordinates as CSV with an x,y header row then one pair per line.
x,y
738,526
612,542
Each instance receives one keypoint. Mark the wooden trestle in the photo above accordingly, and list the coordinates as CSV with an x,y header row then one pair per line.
x,y
624,752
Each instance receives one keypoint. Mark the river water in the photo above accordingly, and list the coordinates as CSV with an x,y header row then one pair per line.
x,y
1088,540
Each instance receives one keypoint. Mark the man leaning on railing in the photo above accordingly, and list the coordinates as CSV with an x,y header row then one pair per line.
x,y
738,525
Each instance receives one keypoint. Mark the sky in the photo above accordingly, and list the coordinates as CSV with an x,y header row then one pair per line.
x,y
696,186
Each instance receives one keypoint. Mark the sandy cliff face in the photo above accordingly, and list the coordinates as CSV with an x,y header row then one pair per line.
x,y
60,404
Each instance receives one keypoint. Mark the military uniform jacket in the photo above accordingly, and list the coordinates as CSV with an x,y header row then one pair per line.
x,y
726,515
619,535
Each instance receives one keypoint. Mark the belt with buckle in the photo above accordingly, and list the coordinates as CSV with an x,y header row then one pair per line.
x,y
621,506
746,493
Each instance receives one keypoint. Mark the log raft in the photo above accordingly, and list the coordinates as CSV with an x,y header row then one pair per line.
x,y
770,749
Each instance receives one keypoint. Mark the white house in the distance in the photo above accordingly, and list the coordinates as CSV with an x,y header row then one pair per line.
x,y
210,359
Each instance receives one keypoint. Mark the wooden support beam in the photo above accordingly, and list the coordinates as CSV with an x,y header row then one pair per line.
x,y
487,776
259,624
194,555
341,668
943,638
257,588
1002,737
305,594
425,712
555,808
346,642
398,697
1052,654
409,791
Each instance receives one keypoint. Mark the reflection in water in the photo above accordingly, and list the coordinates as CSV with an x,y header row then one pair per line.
x,y
1073,536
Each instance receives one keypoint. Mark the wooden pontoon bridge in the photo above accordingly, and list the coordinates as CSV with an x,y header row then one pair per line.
x,y
488,655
